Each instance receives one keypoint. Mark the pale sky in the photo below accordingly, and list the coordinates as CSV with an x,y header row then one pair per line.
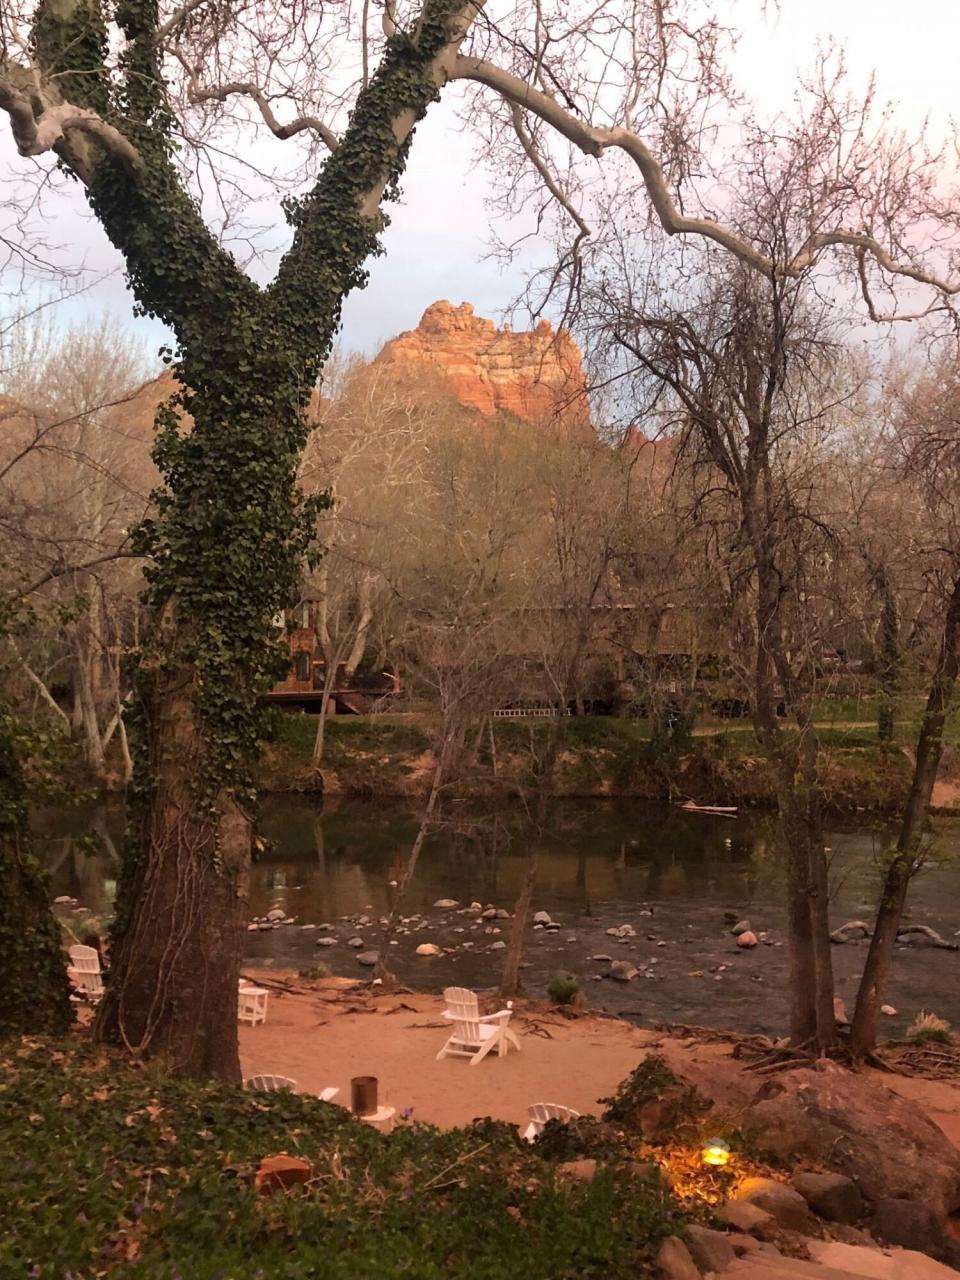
x,y
436,242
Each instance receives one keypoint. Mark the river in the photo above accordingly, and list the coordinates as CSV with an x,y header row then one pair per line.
x,y
673,876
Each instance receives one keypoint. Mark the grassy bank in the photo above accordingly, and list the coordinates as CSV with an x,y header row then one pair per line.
x,y
112,1171
600,756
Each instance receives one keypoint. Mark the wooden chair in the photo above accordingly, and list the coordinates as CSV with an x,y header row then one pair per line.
x,y
274,1084
475,1036
251,1003
541,1112
85,972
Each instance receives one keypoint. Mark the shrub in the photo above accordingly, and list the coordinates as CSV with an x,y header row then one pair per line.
x,y
927,1026
563,989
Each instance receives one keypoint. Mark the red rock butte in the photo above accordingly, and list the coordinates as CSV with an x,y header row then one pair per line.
x,y
537,375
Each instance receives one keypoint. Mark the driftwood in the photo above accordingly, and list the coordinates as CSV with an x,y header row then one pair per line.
x,y
841,935
931,934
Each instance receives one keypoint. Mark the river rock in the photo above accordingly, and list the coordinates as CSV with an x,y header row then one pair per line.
x,y
325,928
742,926
783,1203
747,940
446,903
888,1010
264,926
355,942
622,970
475,906
675,1262
542,917
428,949
326,942
275,914
369,958
253,927
501,913
497,946
887,1144
830,1195
489,914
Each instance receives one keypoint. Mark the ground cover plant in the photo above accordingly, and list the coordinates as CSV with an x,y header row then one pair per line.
x,y
112,1170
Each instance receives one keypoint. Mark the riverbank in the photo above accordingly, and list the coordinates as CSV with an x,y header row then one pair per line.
x,y
602,757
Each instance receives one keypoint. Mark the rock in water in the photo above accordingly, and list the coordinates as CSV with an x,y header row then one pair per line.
x,y
355,942
275,913
742,926
888,1010
428,949
542,917
369,958
622,970
497,946
446,903
747,940
326,942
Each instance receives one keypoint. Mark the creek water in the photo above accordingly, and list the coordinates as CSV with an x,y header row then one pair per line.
x,y
669,874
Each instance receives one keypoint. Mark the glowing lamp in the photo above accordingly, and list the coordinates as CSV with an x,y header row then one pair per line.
x,y
716,1152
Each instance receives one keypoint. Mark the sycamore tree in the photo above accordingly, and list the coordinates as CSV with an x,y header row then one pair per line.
x,y
153,109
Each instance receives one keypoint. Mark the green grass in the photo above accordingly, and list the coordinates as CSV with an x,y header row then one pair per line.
x,y
111,1171
295,732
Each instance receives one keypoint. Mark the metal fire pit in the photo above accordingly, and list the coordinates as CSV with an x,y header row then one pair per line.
x,y
363,1095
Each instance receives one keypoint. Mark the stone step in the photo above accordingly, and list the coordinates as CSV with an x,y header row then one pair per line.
x,y
835,1261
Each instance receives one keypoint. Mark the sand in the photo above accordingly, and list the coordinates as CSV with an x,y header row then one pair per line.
x,y
324,1033
327,1034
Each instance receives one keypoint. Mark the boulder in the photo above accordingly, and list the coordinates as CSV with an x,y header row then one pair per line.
x,y
541,917
747,940
828,1116
489,914
369,958
622,970
830,1195
741,927
675,1262
497,946
602,959
475,906
356,943
907,1223
786,1206
501,913
428,949
745,1216
710,1250
275,914
446,904
326,942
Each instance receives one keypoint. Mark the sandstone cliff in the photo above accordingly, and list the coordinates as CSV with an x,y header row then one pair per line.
x,y
537,376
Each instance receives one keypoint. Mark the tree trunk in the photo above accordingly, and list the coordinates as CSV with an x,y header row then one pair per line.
x,y
510,975
34,994
175,956
905,860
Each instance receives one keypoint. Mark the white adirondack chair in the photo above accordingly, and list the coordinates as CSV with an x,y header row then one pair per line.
x,y
474,1037
541,1112
85,972
273,1084
251,1003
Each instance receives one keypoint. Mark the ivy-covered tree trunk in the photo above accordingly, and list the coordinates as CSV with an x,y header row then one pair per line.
x,y
34,992
230,530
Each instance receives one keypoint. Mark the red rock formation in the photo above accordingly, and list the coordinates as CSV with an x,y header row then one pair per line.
x,y
537,376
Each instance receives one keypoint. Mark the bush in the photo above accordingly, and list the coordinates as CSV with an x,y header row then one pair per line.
x,y
126,1172
927,1026
563,989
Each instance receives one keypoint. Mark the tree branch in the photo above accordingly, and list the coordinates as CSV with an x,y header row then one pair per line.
x,y
250,90
35,134
594,141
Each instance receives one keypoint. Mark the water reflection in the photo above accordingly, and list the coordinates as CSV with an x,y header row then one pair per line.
x,y
598,863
